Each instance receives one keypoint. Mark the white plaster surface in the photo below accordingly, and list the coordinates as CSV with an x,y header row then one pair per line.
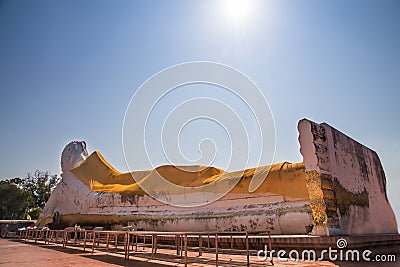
x,y
355,167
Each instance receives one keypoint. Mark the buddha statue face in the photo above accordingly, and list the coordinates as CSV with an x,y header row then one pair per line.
x,y
73,154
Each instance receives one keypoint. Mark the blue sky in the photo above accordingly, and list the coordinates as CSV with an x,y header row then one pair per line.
x,y
69,68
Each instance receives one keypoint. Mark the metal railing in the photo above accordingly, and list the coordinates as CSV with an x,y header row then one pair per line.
x,y
132,240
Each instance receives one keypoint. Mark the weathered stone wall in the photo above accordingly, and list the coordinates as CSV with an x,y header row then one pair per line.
x,y
349,195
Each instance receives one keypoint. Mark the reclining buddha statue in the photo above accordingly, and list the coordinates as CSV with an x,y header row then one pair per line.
x,y
339,188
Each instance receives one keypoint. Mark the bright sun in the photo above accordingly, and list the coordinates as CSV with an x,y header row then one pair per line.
x,y
237,11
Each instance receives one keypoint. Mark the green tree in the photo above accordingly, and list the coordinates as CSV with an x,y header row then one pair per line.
x,y
13,201
22,196
39,186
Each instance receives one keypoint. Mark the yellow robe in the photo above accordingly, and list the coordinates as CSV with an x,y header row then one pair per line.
x,y
285,178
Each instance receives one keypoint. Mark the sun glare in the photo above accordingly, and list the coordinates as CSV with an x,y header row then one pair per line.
x,y
237,11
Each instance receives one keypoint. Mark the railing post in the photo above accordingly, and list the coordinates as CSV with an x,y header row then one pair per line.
x,y
247,249
200,244
126,245
216,249
270,248
177,243
185,241
94,241
84,241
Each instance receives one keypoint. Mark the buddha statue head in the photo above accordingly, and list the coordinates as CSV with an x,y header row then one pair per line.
x,y
73,154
